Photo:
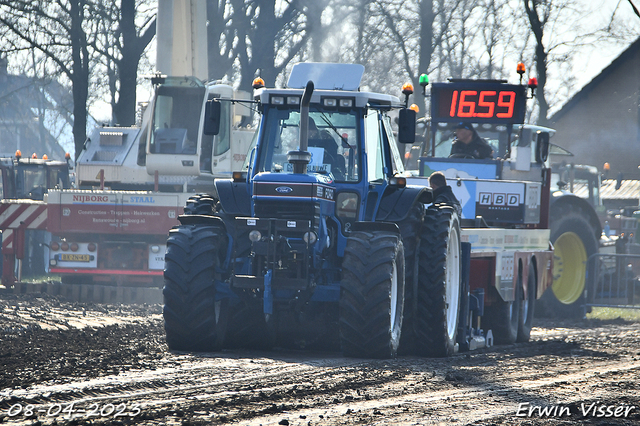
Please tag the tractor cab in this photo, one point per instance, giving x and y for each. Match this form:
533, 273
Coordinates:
350, 155
30, 178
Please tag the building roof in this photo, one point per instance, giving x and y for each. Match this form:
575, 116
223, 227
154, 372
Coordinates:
629, 190
604, 74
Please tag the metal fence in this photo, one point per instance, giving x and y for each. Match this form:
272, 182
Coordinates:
613, 280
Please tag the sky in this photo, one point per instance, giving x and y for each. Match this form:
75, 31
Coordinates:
588, 62
593, 60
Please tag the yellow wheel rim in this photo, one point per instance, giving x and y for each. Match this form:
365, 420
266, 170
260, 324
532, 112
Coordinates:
569, 268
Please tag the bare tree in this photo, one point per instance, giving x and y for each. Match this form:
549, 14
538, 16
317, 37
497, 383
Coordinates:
221, 38
269, 34
538, 18
121, 43
61, 36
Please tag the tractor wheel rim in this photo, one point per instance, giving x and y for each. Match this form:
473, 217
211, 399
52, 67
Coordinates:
569, 268
393, 312
453, 283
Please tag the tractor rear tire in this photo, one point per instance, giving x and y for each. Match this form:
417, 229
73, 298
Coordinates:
193, 319
574, 240
410, 232
372, 294
438, 295
503, 317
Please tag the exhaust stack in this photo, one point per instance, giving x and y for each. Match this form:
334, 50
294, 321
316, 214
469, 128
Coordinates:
301, 158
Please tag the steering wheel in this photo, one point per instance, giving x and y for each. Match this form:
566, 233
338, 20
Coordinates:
37, 193
462, 155
336, 170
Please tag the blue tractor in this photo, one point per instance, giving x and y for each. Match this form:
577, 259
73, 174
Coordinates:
319, 228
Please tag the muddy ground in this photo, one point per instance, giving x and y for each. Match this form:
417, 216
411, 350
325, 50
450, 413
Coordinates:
64, 363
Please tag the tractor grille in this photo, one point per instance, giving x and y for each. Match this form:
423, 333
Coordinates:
288, 210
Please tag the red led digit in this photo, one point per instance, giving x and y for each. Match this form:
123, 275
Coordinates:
509, 104
483, 103
464, 103
454, 100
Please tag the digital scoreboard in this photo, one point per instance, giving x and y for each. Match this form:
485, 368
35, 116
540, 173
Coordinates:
478, 102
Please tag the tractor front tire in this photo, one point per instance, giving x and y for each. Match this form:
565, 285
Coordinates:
193, 319
372, 294
438, 295
200, 204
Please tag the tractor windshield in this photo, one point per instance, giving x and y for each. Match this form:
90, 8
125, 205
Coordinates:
496, 136
333, 142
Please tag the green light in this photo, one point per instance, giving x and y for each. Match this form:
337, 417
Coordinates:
424, 80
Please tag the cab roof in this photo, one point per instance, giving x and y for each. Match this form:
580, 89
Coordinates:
330, 80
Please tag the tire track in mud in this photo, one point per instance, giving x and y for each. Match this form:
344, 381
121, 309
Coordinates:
506, 395
211, 379
568, 363
321, 388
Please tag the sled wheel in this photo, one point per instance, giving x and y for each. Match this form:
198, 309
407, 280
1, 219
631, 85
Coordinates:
503, 317
528, 306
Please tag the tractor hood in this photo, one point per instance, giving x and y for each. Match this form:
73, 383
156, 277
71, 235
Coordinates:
285, 187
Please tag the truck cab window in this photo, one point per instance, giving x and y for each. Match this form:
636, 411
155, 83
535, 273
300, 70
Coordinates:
176, 119
222, 140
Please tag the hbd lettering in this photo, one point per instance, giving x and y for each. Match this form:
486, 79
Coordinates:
494, 199
595, 409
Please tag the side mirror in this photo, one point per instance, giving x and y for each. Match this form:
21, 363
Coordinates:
398, 181
407, 126
542, 147
212, 114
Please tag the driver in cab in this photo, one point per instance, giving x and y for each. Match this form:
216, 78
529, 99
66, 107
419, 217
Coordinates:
469, 144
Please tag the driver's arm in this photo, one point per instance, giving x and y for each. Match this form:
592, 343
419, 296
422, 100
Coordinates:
486, 151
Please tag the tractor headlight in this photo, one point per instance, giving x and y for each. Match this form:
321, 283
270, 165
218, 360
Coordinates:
310, 237
347, 205
255, 235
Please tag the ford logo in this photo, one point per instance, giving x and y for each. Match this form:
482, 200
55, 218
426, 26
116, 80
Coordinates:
284, 189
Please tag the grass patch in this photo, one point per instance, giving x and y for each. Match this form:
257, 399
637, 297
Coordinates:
614, 313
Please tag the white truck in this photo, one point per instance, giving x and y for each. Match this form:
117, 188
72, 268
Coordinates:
132, 182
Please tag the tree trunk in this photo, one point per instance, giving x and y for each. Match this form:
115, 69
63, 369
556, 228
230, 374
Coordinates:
537, 26
79, 75
133, 46
427, 18
220, 59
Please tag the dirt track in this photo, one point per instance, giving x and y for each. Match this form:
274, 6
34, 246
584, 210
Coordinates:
110, 365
